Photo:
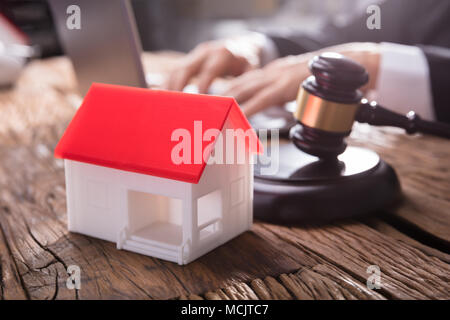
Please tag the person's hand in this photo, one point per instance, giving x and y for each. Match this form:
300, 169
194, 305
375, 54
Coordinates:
279, 81
275, 84
209, 60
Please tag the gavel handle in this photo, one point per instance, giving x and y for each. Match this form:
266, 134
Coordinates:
374, 114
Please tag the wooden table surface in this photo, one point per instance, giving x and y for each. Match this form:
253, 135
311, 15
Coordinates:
410, 244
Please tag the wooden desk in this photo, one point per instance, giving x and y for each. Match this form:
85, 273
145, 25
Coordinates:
410, 246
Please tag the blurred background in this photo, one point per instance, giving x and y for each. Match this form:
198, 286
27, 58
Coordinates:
181, 24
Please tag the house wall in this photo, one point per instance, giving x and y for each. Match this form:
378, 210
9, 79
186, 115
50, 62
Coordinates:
98, 197
236, 186
235, 181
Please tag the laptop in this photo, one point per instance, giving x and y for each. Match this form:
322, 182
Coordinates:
106, 48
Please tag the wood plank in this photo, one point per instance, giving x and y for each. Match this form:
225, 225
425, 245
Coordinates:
44, 235
36, 232
320, 282
421, 162
387, 229
11, 284
407, 273
35, 198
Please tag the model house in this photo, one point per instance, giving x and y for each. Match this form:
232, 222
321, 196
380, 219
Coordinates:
139, 172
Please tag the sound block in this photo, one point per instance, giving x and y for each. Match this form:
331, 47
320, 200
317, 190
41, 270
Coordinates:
308, 190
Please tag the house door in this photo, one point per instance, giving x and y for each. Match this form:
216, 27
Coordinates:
154, 225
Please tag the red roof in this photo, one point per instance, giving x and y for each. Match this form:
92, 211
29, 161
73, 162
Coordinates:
130, 129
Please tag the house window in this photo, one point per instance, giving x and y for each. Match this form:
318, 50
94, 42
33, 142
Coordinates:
209, 214
155, 218
97, 194
237, 191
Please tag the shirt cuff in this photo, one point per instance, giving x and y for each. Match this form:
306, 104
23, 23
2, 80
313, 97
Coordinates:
256, 47
269, 51
403, 82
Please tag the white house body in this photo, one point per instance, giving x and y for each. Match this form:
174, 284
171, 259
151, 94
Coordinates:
163, 218
157, 216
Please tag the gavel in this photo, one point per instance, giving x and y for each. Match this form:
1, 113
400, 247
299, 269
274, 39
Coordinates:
318, 179
329, 101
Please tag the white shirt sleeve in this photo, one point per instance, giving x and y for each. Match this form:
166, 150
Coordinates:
245, 45
403, 82
269, 50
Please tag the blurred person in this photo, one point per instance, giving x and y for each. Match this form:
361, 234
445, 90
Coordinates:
408, 60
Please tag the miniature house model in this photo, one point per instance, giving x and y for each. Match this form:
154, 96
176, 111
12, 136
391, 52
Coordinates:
124, 186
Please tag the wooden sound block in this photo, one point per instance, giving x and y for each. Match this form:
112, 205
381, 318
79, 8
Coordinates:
309, 190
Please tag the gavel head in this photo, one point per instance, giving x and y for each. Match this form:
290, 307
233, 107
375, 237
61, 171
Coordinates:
327, 104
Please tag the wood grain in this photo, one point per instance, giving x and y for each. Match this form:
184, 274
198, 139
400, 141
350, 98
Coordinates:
392, 232
423, 166
270, 262
354, 247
